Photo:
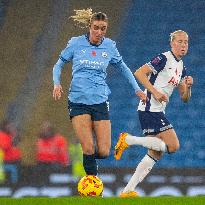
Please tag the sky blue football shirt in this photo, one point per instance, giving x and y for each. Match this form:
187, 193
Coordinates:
88, 84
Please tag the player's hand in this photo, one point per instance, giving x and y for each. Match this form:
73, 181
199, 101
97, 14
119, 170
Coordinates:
57, 92
189, 81
143, 97
160, 97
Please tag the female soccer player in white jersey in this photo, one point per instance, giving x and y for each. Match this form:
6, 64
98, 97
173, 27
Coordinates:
159, 77
88, 94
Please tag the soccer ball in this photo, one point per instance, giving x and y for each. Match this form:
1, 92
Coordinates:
90, 185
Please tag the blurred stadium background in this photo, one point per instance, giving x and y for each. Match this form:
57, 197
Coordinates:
32, 35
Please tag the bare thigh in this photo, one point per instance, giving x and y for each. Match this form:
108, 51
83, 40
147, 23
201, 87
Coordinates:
102, 130
170, 139
83, 127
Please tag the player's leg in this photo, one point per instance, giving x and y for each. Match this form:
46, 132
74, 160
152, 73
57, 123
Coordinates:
145, 166
151, 123
150, 142
102, 130
82, 126
166, 141
142, 170
155, 124
170, 138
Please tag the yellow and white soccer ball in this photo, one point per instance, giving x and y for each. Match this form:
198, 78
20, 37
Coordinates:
90, 185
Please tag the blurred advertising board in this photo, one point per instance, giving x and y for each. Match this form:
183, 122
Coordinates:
51, 183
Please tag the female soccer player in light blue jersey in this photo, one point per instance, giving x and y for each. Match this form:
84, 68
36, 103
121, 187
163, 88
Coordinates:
88, 94
160, 76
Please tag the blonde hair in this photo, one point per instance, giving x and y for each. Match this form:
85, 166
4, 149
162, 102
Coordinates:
173, 34
83, 18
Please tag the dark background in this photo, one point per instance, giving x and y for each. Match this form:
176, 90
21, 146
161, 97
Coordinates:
32, 34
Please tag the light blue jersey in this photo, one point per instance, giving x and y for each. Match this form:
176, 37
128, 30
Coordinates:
88, 85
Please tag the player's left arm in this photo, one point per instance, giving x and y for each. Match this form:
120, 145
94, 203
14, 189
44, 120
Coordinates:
118, 62
185, 88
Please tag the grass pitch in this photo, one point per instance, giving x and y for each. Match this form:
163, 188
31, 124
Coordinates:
103, 201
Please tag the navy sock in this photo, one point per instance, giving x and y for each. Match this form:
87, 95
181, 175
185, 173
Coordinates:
97, 156
89, 164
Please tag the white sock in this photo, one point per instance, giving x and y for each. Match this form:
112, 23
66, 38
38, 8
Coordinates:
153, 143
143, 168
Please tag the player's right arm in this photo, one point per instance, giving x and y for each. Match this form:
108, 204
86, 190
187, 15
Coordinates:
142, 75
57, 90
65, 56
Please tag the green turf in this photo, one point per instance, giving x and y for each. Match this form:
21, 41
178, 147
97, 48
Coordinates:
105, 201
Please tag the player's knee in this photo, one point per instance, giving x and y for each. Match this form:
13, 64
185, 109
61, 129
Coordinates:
173, 148
155, 154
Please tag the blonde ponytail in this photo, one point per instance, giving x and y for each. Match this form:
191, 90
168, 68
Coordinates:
82, 18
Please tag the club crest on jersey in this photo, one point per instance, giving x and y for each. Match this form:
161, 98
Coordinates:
104, 54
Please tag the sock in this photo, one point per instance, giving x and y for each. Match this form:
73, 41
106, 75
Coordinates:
97, 156
143, 168
89, 164
153, 143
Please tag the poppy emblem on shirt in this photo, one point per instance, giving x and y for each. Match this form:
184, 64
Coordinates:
104, 54
94, 53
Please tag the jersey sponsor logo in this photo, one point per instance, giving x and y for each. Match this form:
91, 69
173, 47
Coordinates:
148, 131
156, 60
91, 64
175, 79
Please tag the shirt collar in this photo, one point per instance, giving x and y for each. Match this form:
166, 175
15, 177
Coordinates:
87, 35
175, 57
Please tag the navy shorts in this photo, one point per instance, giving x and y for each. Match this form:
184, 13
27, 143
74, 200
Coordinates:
96, 111
153, 122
